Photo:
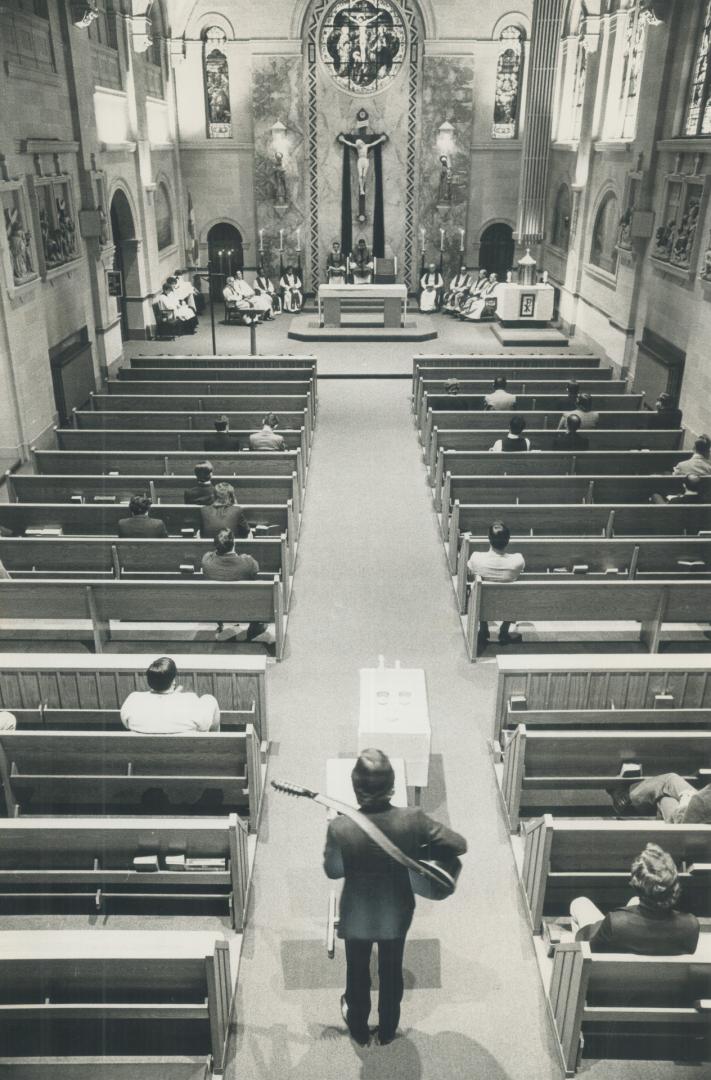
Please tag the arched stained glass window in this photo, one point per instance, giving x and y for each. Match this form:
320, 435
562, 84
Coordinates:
698, 113
509, 71
164, 217
603, 249
560, 231
217, 85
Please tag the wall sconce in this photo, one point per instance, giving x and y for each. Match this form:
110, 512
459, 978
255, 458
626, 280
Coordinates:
445, 138
279, 140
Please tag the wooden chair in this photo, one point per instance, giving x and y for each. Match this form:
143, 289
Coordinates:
165, 324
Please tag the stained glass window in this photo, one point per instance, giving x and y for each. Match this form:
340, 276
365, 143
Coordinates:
363, 43
581, 60
632, 60
698, 115
508, 84
217, 86
164, 217
603, 249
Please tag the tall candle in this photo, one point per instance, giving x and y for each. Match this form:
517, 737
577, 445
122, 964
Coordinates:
261, 241
441, 239
422, 240
461, 239
229, 261
298, 239
281, 239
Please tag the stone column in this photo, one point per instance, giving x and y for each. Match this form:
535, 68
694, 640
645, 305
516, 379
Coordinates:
545, 35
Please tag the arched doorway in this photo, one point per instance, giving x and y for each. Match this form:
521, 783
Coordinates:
496, 249
224, 250
125, 254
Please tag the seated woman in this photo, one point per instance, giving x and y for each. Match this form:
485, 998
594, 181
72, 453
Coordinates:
175, 311
431, 285
458, 288
292, 296
473, 292
265, 300
223, 513
335, 265
482, 306
650, 924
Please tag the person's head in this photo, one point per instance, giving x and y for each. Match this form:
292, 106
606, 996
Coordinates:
572, 423
692, 484
260, 271
702, 446
224, 541
177, 274
161, 674
203, 472
336, 246
229, 280
224, 495
585, 402
139, 505
289, 269
500, 382
664, 401
493, 278
238, 275
166, 288
499, 535
654, 877
483, 274
451, 385
222, 423
361, 242
517, 424
431, 268
462, 270
572, 389
271, 420
172, 281
373, 778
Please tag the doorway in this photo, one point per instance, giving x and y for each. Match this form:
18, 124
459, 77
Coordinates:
224, 250
124, 237
496, 250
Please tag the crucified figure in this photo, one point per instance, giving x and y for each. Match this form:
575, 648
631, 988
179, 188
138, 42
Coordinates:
361, 148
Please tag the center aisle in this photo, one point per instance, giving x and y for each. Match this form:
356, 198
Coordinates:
372, 579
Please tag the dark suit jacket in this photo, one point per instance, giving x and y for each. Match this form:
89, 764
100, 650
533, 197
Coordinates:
139, 527
643, 930
665, 418
221, 440
200, 494
565, 441
213, 519
377, 901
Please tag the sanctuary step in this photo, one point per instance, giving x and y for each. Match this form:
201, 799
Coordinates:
530, 336
362, 327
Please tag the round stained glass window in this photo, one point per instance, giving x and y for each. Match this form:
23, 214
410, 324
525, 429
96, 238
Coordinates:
363, 44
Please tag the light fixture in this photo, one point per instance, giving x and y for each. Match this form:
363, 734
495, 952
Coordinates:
445, 138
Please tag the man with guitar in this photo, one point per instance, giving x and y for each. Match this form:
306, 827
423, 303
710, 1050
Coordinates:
377, 901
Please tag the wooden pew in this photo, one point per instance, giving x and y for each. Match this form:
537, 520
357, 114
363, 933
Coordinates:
451, 364
563, 858
604, 719
78, 558
659, 1004
122, 772
163, 440
192, 421
649, 603
288, 396
73, 998
184, 400
74, 865
203, 365
80, 681
97, 607
560, 491
571, 520
552, 382
545, 401
262, 362
641, 559
566, 772
45, 718
259, 381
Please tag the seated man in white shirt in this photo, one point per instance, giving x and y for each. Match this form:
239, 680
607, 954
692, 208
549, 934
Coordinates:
167, 709
500, 400
514, 440
699, 464
496, 564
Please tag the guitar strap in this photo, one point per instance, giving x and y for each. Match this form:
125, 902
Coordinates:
378, 837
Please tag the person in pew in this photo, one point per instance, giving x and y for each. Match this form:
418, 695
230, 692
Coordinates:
4, 576
689, 494
570, 438
165, 708
650, 925
224, 564
666, 414
267, 438
572, 392
221, 439
452, 386
500, 400
138, 525
514, 441
698, 464
669, 796
203, 492
377, 902
584, 409
8, 722
496, 564
223, 513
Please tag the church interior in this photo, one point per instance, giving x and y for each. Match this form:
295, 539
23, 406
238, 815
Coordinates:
354, 407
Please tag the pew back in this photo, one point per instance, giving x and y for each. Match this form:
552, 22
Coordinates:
164, 440
263, 362
193, 421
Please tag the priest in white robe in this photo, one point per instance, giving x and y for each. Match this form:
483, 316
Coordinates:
431, 285
291, 290
473, 293
265, 295
481, 306
458, 287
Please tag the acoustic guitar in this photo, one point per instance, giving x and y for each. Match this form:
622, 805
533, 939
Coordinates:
433, 879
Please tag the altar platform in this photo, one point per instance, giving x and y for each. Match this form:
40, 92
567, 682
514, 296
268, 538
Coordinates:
362, 326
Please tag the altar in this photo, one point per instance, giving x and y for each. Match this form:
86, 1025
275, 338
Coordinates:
335, 300
522, 305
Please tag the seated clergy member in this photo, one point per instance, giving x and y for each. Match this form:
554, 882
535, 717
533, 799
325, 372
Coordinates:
649, 927
203, 492
496, 564
514, 439
292, 296
360, 264
458, 288
482, 305
264, 291
236, 300
176, 311
335, 265
584, 409
224, 564
669, 796
139, 524
377, 902
267, 438
184, 289
431, 285
666, 415
221, 438
223, 513
473, 292
698, 464
689, 494
165, 708
500, 399
569, 438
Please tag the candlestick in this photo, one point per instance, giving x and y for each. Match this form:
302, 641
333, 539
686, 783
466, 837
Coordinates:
461, 239
281, 239
229, 260
441, 239
298, 239
422, 240
261, 241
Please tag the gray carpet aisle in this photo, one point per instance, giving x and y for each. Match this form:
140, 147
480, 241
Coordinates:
372, 579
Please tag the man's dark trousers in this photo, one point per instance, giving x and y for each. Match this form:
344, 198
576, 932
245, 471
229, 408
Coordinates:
390, 953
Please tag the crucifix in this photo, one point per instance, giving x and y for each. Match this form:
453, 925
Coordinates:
362, 143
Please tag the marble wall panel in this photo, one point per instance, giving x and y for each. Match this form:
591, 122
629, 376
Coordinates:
277, 95
447, 95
